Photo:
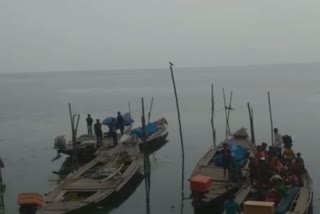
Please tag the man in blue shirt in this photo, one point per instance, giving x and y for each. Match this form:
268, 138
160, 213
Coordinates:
231, 206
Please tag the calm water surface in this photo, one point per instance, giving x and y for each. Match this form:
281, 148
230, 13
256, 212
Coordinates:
33, 110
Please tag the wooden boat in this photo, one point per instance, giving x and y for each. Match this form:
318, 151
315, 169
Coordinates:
221, 186
157, 139
85, 142
302, 203
154, 142
298, 201
96, 181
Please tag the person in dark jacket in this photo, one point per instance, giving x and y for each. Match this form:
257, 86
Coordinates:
89, 125
113, 131
98, 131
226, 159
120, 122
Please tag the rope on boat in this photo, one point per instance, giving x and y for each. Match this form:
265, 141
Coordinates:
146, 161
181, 138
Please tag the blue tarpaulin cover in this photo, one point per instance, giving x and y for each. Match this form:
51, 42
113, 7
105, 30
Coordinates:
238, 153
108, 121
151, 128
127, 119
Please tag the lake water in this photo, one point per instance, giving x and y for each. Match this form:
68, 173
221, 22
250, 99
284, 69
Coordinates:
34, 110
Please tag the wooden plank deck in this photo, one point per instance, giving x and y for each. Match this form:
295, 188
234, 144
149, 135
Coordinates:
220, 184
87, 184
80, 181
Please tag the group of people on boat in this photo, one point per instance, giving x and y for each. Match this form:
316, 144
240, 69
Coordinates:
272, 170
116, 123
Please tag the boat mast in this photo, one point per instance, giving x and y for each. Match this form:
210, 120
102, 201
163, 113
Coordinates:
149, 113
74, 128
212, 117
227, 110
271, 122
250, 110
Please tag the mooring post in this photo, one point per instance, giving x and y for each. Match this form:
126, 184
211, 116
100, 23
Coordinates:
181, 137
146, 161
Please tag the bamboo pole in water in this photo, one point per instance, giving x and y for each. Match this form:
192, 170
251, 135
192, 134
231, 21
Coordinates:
212, 117
271, 122
146, 161
181, 138
149, 117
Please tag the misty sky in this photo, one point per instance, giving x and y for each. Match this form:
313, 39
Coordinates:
49, 35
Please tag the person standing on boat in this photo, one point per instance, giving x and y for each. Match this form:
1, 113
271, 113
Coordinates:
277, 142
113, 131
226, 159
89, 125
120, 122
231, 206
98, 131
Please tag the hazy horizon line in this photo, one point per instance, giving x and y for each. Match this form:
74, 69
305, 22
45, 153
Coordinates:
158, 68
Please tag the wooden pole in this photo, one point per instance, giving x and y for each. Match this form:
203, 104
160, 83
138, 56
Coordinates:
250, 110
146, 161
212, 117
74, 150
225, 110
253, 134
271, 122
181, 137
77, 125
228, 113
149, 113
149, 117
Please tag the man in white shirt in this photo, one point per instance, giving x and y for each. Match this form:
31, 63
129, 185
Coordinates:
277, 141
